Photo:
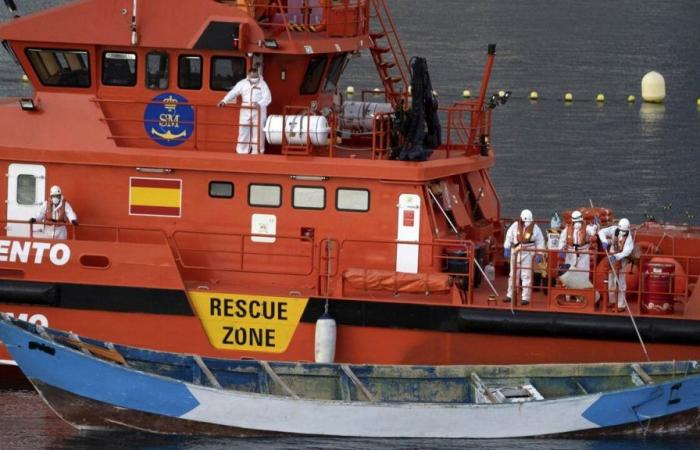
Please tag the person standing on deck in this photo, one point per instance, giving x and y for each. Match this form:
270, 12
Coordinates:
522, 238
576, 239
618, 244
256, 97
58, 210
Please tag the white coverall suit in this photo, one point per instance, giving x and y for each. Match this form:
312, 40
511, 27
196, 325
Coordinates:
255, 97
610, 235
521, 257
56, 231
578, 256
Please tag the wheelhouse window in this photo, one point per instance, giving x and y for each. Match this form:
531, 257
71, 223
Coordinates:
335, 71
189, 72
119, 69
314, 73
26, 189
306, 197
265, 195
226, 72
220, 189
64, 68
157, 70
355, 200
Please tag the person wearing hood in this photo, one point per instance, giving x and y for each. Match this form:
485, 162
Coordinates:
522, 239
618, 244
56, 211
255, 98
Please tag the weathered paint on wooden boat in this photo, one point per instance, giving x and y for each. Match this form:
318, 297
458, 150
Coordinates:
92, 384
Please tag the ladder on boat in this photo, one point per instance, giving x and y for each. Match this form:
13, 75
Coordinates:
388, 53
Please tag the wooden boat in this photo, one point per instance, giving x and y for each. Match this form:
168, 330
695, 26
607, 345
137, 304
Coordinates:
238, 255
96, 385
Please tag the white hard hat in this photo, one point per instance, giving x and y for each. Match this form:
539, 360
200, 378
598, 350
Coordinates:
576, 216
624, 225
526, 215
55, 190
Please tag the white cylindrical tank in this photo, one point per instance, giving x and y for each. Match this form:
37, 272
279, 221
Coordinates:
325, 339
297, 129
653, 87
360, 115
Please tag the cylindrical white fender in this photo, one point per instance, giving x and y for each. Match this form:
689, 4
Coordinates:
325, 339
360, 115
297, 129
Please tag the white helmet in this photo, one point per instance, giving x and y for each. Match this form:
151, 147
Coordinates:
55, 190
526, 215
576, 216
624, 225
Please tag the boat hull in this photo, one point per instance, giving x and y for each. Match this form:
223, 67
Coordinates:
94, 393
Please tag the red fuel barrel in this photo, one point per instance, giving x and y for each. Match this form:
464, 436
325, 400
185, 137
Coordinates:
658, 288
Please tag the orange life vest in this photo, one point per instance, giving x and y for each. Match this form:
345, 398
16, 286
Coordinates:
583, 237
60, 209
524, 234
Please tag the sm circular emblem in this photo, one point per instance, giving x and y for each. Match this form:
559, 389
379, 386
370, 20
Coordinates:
169, 119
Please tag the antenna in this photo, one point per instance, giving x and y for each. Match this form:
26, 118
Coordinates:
134, 34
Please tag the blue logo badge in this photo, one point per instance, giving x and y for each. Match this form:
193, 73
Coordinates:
169, 120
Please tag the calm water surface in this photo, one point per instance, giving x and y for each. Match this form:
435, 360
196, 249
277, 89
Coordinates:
636, 158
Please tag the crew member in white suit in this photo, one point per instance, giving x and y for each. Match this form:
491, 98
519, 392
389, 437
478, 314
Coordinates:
522, 238
58, 210
256, 97
576, 238
619, 244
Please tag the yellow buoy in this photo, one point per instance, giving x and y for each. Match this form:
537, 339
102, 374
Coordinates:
350, 91
631, 99
600, 98
435, 94
25, 78
698, 103
653, 87
501, 94
534, 96
466, 93
377, 91
568, 97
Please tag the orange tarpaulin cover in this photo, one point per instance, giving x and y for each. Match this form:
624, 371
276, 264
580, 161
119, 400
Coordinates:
385, 280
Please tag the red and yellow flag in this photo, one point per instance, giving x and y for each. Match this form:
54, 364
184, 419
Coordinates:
155, 197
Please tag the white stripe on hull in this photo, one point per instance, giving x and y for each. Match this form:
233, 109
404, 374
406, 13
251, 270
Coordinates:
416, 420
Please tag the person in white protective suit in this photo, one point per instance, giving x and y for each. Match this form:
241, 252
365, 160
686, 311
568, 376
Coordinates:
618, 244
255, 98
522, 239
576, 240
58, 210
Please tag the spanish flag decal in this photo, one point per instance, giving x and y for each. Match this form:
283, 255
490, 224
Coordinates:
155, 197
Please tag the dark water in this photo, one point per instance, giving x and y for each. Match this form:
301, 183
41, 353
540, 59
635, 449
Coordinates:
551, 156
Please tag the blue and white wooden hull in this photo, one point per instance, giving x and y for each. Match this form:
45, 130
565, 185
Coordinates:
89, 392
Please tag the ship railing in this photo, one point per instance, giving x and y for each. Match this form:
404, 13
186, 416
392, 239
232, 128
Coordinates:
466, 129
245, 252
208, 133
445, 268
303, 19
47, 230
650, 289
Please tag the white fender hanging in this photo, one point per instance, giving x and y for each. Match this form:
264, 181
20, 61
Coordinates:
325, 339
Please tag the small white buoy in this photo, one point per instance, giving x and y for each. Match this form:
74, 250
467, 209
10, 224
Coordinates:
568, 97
350, 91
653, 87
466, 93
25, 78
534, 96
501, 94
631, 99
600, 98
325, 339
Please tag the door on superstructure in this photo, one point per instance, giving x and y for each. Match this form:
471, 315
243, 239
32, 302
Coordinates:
26, 187
408, 231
